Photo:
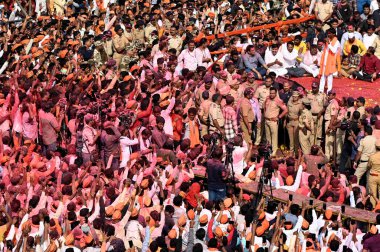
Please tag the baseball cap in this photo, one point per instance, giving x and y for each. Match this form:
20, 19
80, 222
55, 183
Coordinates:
314, 85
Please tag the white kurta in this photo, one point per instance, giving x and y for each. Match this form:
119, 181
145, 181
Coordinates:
125, 145
289, 57
270, 58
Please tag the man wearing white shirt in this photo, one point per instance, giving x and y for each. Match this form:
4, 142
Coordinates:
165, 113
311, 61
203, 54
238, 154
188, 57
126, 142
290, 55
162, 53
369, 37
275, 60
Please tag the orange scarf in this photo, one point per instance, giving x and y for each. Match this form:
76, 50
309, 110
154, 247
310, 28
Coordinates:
332, 60
194, 134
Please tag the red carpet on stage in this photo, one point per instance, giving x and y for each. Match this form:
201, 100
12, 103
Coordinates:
347, 87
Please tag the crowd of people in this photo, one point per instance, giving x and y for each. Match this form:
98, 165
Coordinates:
110, 111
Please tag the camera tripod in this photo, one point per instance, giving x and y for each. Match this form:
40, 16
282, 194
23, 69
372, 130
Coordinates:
265, 178
228, 163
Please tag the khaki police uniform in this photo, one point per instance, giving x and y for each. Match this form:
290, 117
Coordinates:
215, 114
129, 36
374, 175
246, 110
331, 111
119, 45
148, 32
109, 47
138, 35
361, 110
367, 147
128, 58
294, 111
204, 110
261, 94
200, 90
317, 104
306, 118
176, 43
271, 115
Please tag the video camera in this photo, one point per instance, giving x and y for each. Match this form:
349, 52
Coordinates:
127, 119
265, 151
345, 125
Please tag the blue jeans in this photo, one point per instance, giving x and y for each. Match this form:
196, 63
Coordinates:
50, 147
261, 70
216, 194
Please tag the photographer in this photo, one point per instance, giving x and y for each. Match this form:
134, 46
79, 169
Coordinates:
110, 144
351, 128
216, 174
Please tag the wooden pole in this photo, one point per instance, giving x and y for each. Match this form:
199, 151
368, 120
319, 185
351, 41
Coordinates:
22, 8
30, 7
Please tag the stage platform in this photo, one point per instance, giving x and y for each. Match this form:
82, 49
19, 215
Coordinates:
347, 87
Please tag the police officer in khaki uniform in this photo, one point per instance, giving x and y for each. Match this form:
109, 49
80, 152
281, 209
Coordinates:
318, 101
294, 110
149, 28
128, 33
306, 126
216, 116
247, 116
100, 55
204, 111
360, 102
138, 34
374, 173
119, 43
108, 44
261, 94
206, 86
366, 148
330, 122
175, 41
272, 106
128, 58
